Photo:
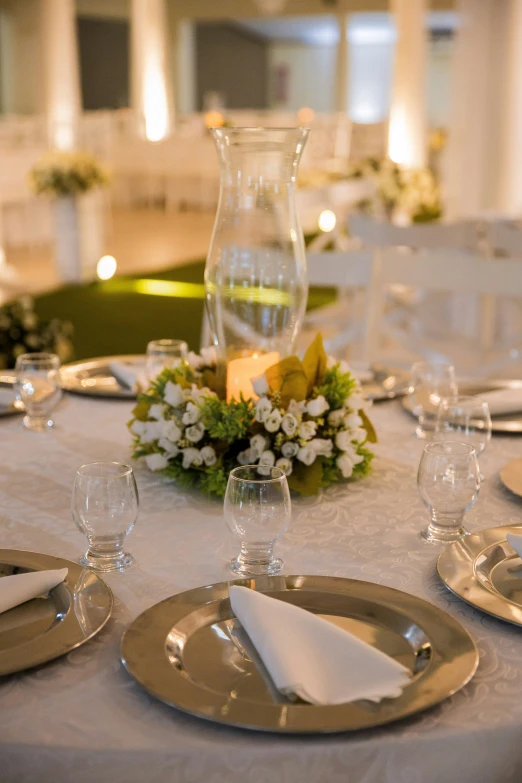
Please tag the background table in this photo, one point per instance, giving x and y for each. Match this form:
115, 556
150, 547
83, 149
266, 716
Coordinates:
82, 718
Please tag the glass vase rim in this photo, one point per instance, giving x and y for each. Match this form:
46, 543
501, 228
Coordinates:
434, 363
83, 469
261, 479
442, 448
168, 342
257, 128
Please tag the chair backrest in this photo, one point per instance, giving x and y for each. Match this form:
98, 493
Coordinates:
504, 238
351, 269
460, 236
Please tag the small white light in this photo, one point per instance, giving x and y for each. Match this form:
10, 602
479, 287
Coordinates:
327, 220
106, 267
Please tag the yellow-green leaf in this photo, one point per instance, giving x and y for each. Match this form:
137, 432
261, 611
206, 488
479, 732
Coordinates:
306, 479
368, 426
314, 363
289, 379
141, 411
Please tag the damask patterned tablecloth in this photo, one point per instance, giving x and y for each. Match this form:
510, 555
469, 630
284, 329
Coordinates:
82, 718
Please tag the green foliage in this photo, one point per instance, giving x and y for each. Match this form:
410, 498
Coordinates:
336, 387
227, 421
307, 480
21, 331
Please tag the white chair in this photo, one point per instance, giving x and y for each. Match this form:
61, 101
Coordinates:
434, 236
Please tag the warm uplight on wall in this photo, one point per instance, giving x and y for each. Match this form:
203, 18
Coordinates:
399, 141
327, 220
155, 105
106, 267
306, 115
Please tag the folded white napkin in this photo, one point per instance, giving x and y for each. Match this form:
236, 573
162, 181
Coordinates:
19, 588
515, 540
503, 401
7, 397
312, 658
127, 374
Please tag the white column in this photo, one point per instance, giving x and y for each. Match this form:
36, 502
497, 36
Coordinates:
185, 66
151, 76
342, 66
62, 76
407, 129
510, 144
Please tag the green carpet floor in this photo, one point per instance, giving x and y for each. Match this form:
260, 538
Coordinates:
122, 315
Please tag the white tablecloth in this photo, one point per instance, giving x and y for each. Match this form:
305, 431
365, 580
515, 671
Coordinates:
82, 718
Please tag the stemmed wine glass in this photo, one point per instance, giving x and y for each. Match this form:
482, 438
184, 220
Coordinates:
430, 382
464, 419
38, 385
105, 508
164, 353
258, 513
448, 481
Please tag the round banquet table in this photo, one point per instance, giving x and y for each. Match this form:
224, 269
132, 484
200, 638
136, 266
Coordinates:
82, 718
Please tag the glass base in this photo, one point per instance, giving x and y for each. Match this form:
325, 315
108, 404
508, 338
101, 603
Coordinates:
437, 535
267, 568
37, 423
105, 563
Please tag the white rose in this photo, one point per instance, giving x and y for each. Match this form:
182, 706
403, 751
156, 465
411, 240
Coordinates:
273, 421
151, 431
335, 417
289, 449
289, 424
322, 446
170, 448
356, 402
296, 408
285, 465
331, 361
195, 360
267, 458
209, 356
173, 394
191, 456
263, 408
195, 433
352, 420
306, 455
138, 427
343, 440
192, 414
156, 461
170, 430
264, 470
258, 443
197, 394
208, 455
156, 411
359, 435
317, 407
345, 465
307, 429
247, 457
260, 385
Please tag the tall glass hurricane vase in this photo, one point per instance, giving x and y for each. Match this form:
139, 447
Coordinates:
255, 277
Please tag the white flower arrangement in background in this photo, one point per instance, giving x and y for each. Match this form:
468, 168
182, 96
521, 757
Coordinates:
310, 420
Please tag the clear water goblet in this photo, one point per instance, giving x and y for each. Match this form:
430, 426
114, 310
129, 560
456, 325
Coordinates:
464, 419
105, 508
448, 481
430, 382
38, 388
257, 512
164, 353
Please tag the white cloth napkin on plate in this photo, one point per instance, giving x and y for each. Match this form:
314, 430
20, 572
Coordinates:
19, 588
503, 401
312, 658
128, 374
515, 541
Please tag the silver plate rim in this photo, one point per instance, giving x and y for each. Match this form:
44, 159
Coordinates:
149, 676
68, 634
461, 556
379, 393
71, 382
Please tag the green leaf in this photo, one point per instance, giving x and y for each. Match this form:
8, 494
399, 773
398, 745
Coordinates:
306, 479
289, 379
141, 411
368, 426
314, 363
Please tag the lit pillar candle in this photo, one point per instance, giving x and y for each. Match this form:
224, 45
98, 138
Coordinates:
240, 373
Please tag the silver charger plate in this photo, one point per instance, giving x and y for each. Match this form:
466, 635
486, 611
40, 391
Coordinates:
511, 476
507, 423
9, 409
94, 377
191, 652
386, 384
51, 625
486, 572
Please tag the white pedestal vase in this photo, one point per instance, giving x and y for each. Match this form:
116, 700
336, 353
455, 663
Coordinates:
79, 236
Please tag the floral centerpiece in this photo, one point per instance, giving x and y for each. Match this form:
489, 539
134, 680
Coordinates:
21, 331
309, 419
411, 193
67, 173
